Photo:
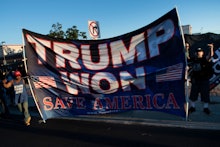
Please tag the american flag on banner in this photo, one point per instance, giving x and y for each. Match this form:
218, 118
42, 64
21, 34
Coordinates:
171, 73
44, 82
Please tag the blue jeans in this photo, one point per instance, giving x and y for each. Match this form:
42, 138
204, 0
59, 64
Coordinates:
23, 108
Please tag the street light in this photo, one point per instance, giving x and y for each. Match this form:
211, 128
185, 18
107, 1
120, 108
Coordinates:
4, 61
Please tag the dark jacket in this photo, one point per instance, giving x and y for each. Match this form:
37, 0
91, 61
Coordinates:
201, 69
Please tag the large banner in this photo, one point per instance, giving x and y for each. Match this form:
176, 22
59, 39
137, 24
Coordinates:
140, 70
201, 41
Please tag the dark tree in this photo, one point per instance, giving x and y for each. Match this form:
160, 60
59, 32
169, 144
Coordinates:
57, 31
71, 33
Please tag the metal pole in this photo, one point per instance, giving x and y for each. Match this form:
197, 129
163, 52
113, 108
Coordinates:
3, 51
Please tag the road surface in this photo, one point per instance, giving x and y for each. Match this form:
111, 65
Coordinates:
65, 133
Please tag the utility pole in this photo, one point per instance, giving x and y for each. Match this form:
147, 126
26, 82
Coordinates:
3, 51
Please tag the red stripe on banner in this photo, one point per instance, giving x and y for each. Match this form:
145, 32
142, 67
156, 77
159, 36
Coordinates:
45, 82
172, 73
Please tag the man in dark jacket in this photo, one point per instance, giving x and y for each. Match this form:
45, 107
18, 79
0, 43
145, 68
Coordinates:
4, 98
201, 73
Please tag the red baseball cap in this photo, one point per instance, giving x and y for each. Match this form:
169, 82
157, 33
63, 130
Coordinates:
17, 73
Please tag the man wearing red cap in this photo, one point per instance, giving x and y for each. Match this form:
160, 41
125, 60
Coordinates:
21, 96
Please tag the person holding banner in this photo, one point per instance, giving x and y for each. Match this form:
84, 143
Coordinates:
187, 50
21, 96
201, 72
